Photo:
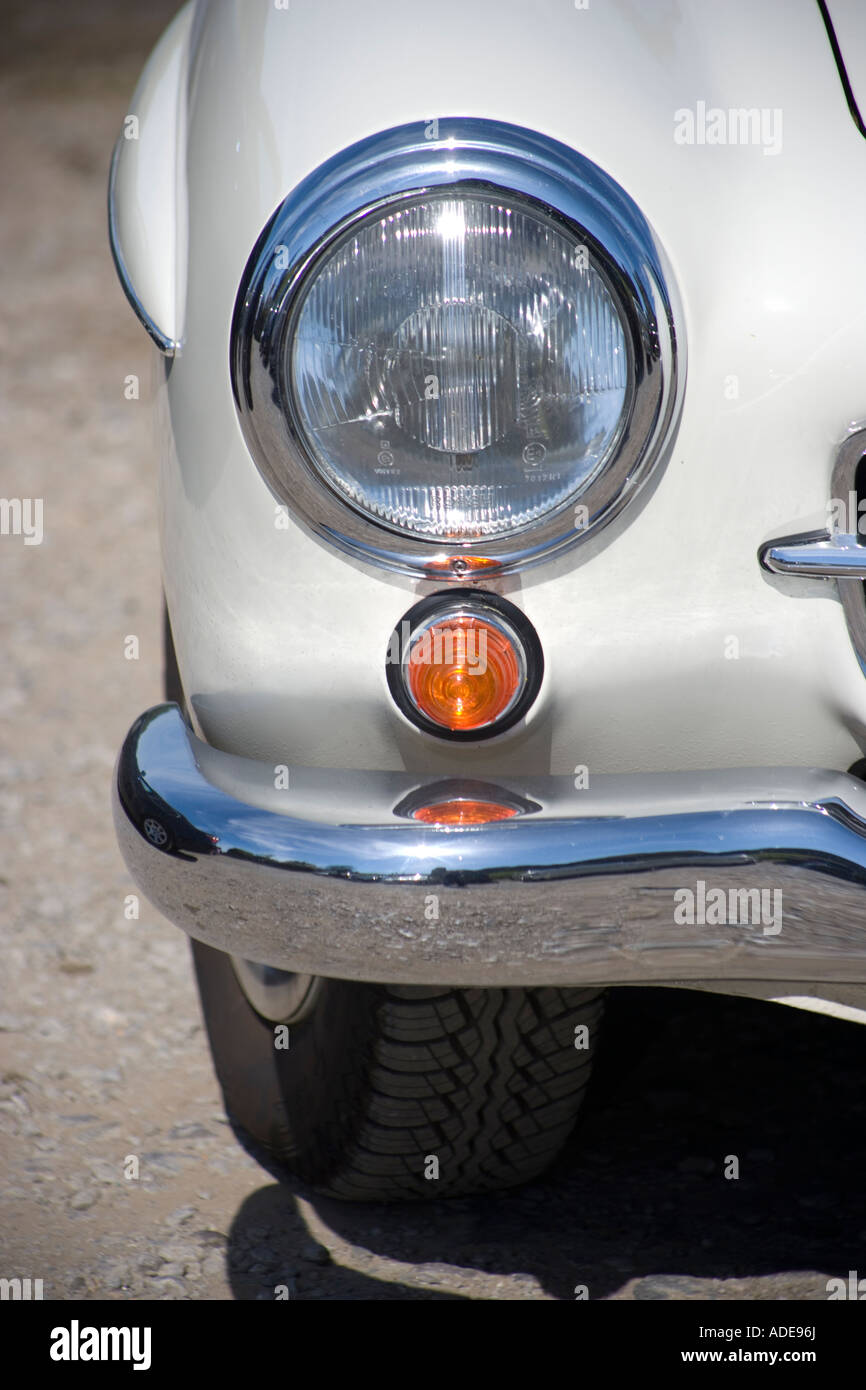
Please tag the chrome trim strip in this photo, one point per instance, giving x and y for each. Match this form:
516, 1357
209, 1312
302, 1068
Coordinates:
821, 557
167, 346
366, 179
580, 890
832, 554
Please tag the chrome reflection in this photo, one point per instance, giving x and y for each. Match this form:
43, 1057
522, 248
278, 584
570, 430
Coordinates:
580, 891
832, 554
280, 996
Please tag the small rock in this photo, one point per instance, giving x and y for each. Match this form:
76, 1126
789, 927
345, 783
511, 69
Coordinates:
50, 1028
160, 1163
189, 1131
168, 1288
179, 1216
105, 1171
180, 1251
316, 1254
116, 1274
83, 1201
214, 1239
213, 1266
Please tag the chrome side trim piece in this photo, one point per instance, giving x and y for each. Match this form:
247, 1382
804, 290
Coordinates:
579, 890
368, 179
832, 554
168, 346
821, 556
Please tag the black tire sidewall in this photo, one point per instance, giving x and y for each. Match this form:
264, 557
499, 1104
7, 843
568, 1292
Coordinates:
293, 1100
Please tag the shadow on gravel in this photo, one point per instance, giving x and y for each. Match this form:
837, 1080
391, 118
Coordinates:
685, 1080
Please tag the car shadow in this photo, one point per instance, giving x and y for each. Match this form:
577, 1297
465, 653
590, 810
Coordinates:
639, 1203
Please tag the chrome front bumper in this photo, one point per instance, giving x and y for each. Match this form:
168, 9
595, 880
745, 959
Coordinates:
332, 876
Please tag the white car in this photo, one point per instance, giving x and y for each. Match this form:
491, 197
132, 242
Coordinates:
511, 359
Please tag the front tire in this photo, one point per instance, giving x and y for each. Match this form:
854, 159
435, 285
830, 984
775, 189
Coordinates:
378, 1081
387, 1092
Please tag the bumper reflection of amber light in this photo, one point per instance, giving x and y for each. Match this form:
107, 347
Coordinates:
463, 813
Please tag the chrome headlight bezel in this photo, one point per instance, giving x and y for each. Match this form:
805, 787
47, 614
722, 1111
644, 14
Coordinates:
385, 170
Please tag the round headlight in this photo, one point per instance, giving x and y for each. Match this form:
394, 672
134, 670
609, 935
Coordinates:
458, 352
457, 365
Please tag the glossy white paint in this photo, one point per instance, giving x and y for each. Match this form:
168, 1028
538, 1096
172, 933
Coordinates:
281, 640
149, 196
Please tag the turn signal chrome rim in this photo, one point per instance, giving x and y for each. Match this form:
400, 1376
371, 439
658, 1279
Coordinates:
464, 665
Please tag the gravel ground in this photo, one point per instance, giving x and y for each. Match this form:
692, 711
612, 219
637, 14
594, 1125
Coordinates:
103, 1053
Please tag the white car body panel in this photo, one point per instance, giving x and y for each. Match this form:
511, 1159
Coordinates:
148, 194
666, 647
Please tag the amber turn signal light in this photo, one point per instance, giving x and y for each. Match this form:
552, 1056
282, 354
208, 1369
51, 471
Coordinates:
464, 672
468, 664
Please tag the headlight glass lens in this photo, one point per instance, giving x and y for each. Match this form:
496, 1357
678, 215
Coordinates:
456, 365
